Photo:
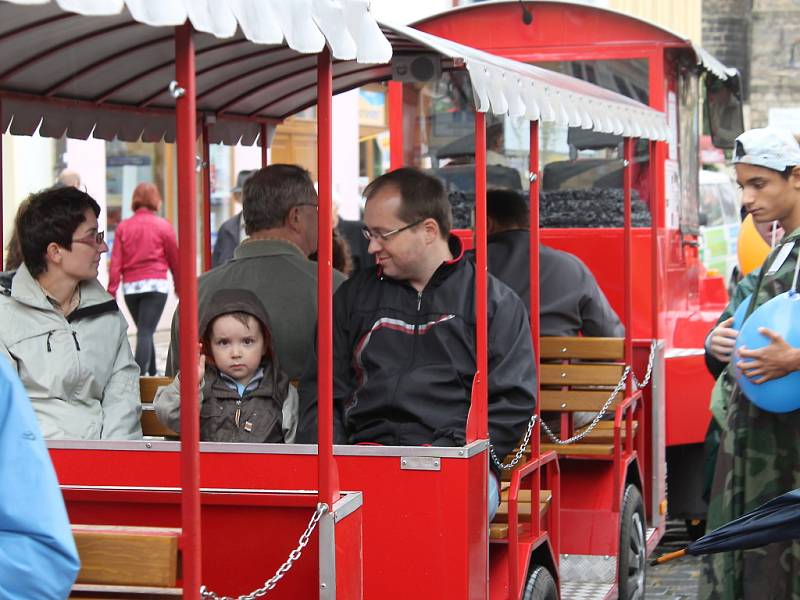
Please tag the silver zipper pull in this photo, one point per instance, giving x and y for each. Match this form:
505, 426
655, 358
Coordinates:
419, 301
238, 412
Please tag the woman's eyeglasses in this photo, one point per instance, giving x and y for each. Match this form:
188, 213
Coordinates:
92, 239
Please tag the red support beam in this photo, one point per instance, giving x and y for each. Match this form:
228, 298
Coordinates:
478, 421
655, 196
186, 124
533, 196
396, 142
328, 477
206, 199
264, 145
628, 248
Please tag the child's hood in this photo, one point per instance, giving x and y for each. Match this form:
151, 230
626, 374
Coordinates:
228, 301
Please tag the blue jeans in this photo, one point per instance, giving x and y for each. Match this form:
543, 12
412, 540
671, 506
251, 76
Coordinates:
494, 495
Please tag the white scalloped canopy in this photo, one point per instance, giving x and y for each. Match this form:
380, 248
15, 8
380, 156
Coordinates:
103, 67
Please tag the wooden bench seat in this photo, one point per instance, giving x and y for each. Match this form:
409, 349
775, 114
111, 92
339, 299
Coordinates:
126, 562
578, 374
498, 528
151, 426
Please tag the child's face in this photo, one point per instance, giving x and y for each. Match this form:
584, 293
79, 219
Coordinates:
237, 348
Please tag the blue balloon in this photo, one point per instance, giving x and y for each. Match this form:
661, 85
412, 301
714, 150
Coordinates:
741, 310
782, 315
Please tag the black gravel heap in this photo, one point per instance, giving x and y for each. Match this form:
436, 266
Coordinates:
590, 207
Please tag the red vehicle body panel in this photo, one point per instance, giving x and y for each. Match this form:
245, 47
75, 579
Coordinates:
566, 31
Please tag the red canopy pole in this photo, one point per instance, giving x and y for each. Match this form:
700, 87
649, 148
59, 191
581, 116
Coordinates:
328, 479
655, 195
206, 199
628, 248
186, 125
264, 145
396, 143
478, 423
533, 167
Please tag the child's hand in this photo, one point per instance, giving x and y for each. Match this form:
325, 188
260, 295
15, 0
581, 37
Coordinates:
201, 368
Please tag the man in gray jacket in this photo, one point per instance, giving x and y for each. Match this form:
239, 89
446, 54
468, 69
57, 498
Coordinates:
280, 210
570, 301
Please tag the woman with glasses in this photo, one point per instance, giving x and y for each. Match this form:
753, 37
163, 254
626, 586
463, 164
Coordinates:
144, 249
61, 331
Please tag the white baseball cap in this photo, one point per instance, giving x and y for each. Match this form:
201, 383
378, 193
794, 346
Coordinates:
769, 147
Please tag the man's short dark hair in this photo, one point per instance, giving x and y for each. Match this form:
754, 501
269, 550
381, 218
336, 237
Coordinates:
269, 194
423, 196
507, 208
53, 215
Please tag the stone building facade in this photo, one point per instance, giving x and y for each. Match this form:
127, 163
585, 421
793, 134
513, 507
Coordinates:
762, 39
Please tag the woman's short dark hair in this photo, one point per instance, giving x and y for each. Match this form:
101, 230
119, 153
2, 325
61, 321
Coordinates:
269, 194
423, 196
52, 215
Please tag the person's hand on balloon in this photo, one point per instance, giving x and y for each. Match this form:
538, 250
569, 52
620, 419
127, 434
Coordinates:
723, 339
770, 362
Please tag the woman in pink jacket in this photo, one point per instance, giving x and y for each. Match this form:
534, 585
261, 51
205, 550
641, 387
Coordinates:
144, 248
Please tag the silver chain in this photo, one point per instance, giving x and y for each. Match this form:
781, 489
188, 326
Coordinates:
649, 373
270, 584
519, 453
579, 436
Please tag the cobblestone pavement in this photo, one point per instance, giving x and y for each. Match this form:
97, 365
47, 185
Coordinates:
677, 579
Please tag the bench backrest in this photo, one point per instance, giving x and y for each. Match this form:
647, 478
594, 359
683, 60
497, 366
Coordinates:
578, 372
151, 426
127, 556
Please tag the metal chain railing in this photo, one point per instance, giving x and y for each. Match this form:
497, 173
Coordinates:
270, 584
649, 373
583, 433
520, 453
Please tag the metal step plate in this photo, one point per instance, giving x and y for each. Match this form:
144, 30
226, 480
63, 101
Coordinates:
587, 591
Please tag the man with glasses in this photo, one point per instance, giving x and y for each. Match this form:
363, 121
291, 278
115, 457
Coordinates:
404, 333
280, 213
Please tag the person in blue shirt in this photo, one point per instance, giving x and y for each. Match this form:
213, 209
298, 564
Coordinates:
38, 558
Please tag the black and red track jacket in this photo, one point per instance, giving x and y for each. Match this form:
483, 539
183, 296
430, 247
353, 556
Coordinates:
404, 361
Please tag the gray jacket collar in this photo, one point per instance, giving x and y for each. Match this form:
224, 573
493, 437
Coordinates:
26, 290
271, 247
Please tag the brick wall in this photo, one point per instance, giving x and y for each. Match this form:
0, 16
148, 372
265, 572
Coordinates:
726, 34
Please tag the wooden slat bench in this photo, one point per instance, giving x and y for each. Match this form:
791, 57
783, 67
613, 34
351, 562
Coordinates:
498, 529
126, 562
151, 426
577, 375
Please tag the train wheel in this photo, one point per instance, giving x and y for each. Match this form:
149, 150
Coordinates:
540, 585
632, 546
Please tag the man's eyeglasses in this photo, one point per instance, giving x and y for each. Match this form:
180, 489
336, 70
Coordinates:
371, 235
92, 239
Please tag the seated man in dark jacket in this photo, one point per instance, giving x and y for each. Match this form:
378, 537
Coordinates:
404, 333
570, 301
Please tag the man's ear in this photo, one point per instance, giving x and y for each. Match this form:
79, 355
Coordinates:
795, 177
431, 229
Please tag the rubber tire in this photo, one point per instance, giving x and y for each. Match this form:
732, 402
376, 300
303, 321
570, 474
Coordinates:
540, 585
632, 545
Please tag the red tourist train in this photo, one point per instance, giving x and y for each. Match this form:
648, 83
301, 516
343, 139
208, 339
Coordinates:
579, 514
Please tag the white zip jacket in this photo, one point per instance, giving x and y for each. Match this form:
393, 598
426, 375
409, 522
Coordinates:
78, 371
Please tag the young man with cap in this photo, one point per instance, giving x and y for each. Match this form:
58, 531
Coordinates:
759, 456
231, 232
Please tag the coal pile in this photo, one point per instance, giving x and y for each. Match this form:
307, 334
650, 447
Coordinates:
592, 207
462, 204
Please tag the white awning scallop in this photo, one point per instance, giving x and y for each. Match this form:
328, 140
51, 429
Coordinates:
108, 75
505, 86
306, 25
